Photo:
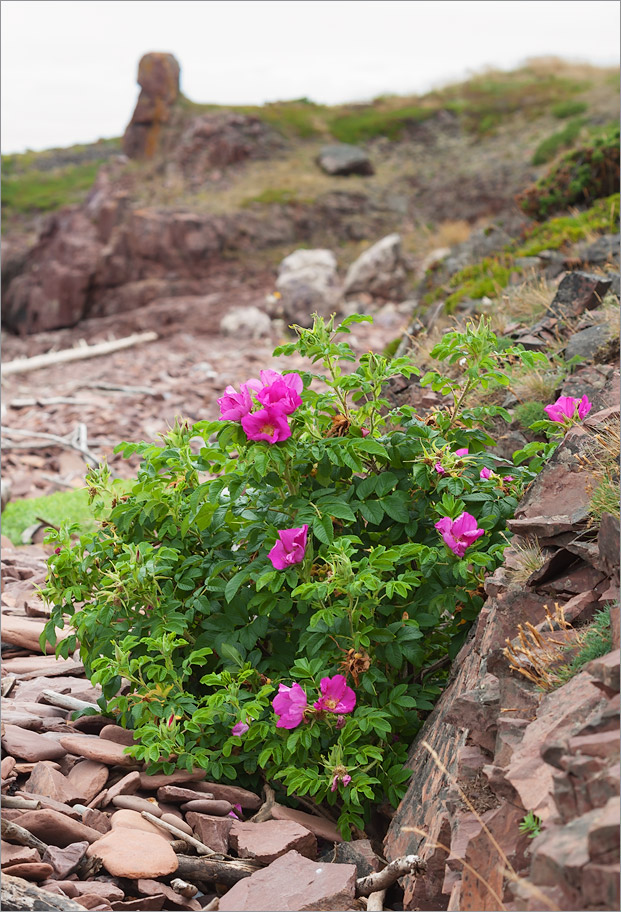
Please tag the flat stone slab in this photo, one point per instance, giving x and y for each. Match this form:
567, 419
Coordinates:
321, 827
30, 746
135, 853
269, 840
293, 883
57, 829
98, 749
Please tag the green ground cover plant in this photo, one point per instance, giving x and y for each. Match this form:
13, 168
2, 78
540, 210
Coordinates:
569, 108
595, 641
43, 191
563, 139
284, 589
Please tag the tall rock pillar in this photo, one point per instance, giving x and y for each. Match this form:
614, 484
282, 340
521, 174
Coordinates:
158, 78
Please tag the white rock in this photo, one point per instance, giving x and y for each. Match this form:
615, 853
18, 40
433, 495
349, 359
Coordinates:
308, 283
379, 270
246, 322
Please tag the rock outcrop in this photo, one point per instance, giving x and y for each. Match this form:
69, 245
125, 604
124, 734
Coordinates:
158, 78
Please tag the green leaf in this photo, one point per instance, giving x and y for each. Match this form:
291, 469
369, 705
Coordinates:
234, 583
233, 655
372, 511
323, 530
396, 506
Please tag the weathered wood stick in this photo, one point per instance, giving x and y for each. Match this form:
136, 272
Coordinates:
19, 895
116, 388
65, 701
200, 847
265, 811
24, 365
209, 869
14, 833
375, 901
381, 880
213, 906
24, 804
52, 400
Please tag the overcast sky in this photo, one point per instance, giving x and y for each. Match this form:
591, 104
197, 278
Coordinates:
69, 66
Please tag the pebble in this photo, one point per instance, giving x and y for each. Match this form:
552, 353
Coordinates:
98, 749
152, 783
205, 806
233, 793
135, 803
125, 786
30, 746
118, 734
134, 853
30, 871
179, 822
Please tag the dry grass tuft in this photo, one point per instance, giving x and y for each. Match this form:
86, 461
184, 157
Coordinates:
534, 655
528, 557
529, 301
601, 457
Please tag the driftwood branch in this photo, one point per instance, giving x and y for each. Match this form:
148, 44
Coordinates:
16, 834
75, 441
24, 365
23, 804
20, 896
381, 880
210, 869
117, 388
265, 811
52, 400
375, 901
65, 701
184, 888
200, 847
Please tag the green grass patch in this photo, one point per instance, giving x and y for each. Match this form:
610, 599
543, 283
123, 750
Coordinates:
564, 139
39, 191
569, 108
484, 279
274, 196
602, 217
64, 506
526, 413
359, 126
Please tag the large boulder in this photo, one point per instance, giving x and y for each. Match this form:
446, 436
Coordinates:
343, 159
158, 78
379, 271
307, 283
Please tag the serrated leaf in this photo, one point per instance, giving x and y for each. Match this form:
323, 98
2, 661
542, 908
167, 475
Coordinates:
372, 511
323, 530
396, 506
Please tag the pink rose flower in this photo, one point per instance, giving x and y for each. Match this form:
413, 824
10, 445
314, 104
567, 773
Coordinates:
233, 406
462, 452
280, 396
485, 473
564, 409
439, 468
240, 729
336, 696
268, 424
508, 478
459, 533
293, 380
289, 704
290, 549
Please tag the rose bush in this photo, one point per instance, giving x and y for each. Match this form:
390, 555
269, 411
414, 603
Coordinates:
281, 601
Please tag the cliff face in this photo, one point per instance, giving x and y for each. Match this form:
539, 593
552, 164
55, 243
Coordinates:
500, 743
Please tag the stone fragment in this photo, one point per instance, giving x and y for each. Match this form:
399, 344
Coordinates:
65, 861
55, 828
6, 767
321, 827
600, 885
97, 820
603, 836
101, 888
379, 271
358, 852
293, 883
307, 283
477, 710
577, 292
125, 786
118, 734
53, 805
148, 903
14, 855
233, 793
608, 543
269, 840
344, 159
207, 806
16, 894
136, 803
212, 831
98, 749
605, 670
590, 343
158, 77
45, 780
87, 779
24, 632
36, 871
30, 746
135, 853
246, 323
157, 780
95, 902
127, 819
177, 795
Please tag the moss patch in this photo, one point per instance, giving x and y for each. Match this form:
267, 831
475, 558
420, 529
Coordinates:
550, 147
38, 191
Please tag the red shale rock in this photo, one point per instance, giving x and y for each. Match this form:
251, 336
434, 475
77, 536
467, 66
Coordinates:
30, 746
212, 831
135, 853
293, 883
269, 840
321, 827
98, 749
55, 828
